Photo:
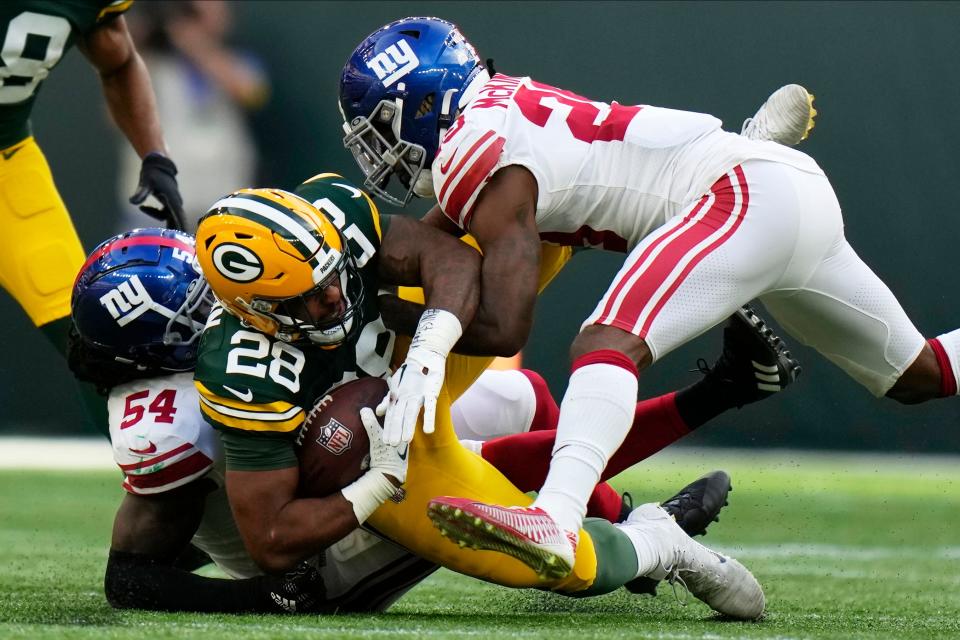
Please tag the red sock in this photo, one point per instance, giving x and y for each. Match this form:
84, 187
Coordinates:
547, 412
524, 459
604, 503
656, 424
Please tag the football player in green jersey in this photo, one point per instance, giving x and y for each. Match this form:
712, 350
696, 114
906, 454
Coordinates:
297, 288
295, 274
40, 252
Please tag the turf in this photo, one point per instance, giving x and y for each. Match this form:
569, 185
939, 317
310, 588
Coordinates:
846, 547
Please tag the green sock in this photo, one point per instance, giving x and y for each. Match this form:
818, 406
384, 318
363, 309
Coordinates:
616, 558
95, 405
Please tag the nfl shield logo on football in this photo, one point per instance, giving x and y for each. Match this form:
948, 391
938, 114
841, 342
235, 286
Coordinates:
334, 437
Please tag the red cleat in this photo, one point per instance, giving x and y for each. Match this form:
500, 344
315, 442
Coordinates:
528, 534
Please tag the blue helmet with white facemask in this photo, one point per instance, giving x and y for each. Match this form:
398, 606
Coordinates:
399, 91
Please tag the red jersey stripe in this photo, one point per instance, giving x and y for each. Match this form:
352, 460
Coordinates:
948, 383
189, 466
738, 213
687, 224
452, 176
148, 462
132, 242
473, 180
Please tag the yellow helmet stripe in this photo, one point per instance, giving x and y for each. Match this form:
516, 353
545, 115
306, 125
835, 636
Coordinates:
321, 176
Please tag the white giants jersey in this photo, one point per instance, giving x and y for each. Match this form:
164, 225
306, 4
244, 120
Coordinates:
607, 174
160, 440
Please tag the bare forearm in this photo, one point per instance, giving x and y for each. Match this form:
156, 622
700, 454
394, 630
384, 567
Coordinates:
504, 316
130, 99
413, 254
399, 315
303, 528
450, 282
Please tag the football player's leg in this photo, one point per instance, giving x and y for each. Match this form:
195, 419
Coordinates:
524, 459
499, 403
850, 316
439, 465
509, 418
41, 252
650, 544
680, 281
363, 573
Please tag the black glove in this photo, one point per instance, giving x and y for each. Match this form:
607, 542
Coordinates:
300, 590
158, 177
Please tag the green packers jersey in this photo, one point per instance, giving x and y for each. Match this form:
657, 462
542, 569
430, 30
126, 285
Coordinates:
257, 389
36, 34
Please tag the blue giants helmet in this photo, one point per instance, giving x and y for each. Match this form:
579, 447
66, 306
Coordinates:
399, 91
141, 299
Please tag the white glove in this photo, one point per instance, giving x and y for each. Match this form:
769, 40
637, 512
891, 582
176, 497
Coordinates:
388, 465
417, 382
388, 459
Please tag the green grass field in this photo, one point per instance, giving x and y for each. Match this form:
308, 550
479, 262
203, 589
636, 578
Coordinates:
846, 547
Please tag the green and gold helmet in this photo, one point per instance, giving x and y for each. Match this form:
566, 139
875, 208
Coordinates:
266, 253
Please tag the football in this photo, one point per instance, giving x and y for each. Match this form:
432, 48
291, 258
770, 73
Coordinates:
332, 444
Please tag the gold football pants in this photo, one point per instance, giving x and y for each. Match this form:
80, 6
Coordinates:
40, 252
440, 466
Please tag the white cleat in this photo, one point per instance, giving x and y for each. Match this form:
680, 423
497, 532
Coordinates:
786, 117
719, 581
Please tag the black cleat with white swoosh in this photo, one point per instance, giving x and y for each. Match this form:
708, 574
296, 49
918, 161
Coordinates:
755, 362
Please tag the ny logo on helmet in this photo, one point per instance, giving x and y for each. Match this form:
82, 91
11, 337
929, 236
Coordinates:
128, 301
237, 263
394, 62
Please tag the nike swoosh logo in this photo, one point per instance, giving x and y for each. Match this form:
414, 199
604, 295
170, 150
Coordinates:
11, 152
403, 456
145, 452
246, 396
445, 166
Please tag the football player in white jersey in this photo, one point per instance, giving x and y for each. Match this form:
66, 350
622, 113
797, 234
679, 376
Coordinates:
708, 220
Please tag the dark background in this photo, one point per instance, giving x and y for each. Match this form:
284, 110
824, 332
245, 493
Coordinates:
886, 80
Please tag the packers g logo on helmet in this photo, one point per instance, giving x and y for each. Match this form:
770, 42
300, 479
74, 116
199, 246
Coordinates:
265, 252
237, 263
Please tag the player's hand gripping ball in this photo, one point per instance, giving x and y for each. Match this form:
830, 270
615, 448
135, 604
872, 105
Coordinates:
332, 445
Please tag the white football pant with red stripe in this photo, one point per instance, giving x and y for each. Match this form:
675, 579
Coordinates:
770, 231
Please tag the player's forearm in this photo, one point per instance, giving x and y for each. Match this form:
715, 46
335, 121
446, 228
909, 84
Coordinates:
508, 294
130, 99
399, 315
413, 254
300, 529
451, 281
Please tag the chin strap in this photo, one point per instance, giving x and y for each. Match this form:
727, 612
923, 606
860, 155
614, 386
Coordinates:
446, 114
